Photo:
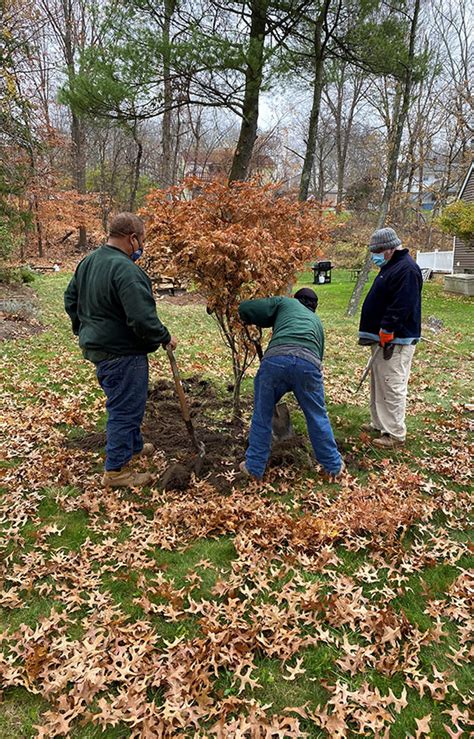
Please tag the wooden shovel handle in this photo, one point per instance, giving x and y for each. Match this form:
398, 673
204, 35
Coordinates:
179, 388
255, 342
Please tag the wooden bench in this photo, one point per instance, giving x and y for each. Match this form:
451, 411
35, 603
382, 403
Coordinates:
165, 285
355, 273
42, 268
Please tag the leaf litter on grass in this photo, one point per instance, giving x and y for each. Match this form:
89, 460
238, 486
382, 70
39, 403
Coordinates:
154, 660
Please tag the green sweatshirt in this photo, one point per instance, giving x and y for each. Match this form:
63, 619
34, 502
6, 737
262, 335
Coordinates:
111, 306
291, 321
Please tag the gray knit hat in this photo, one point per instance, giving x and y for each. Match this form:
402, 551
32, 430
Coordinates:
384, 238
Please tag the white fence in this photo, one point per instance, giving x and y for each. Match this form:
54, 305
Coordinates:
438, 261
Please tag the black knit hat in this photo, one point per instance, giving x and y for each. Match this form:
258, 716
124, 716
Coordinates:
307, 297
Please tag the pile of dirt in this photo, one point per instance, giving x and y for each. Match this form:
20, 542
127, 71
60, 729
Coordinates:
224, 438
18, 312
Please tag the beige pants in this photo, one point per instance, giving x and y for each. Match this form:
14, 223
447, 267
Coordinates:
388, 390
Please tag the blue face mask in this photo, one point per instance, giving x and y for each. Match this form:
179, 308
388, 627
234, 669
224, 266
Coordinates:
379, 259
137, 253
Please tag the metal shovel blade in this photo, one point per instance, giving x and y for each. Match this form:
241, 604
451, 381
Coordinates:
281, 423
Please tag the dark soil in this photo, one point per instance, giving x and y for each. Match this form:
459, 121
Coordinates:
18, 312
223, 437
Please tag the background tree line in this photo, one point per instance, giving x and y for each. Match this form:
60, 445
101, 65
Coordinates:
363, 103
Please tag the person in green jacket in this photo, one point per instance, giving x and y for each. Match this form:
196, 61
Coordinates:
292, 362
113, 312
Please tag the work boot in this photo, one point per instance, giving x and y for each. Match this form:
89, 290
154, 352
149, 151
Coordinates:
126, 478
245, 471
333, 477
147, 451
387, 442
369, 429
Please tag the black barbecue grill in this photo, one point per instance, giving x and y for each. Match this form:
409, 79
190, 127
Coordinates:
322, 273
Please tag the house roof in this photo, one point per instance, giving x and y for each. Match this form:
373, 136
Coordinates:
466, 180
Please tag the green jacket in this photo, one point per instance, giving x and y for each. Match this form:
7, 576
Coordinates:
291, 321
111, 306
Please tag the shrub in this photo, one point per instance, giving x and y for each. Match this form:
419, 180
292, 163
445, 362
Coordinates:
16, 275
27, 275
7, 241
234, 242
458, 219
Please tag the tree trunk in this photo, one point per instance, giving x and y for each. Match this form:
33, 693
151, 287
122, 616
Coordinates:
77, 125
345, 140
38, 226
136, 171
403, 97
318, 49
166, 161
339, 144
253, 82
79, 168
236, 409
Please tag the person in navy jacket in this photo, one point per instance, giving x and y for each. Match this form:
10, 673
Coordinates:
391, 318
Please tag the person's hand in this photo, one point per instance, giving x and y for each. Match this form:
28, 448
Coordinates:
385, 337
172, 344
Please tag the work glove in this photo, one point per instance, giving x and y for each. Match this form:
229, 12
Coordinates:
385, 337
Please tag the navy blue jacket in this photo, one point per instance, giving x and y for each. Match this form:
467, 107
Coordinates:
394, 300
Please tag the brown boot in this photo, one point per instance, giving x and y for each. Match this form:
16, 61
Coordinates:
387, 442
147, 451
126, 478
369, 429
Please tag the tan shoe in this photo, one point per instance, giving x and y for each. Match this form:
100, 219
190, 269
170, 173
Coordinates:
387, 442
126, 478
147, 451
245, 471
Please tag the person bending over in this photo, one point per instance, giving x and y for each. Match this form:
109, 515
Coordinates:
292, 362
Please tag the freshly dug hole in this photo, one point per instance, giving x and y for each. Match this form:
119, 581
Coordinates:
224, 438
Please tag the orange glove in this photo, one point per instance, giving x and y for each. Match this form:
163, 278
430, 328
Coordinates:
385, 337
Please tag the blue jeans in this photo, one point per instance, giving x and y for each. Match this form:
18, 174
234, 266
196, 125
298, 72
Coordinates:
124, 380
275, 377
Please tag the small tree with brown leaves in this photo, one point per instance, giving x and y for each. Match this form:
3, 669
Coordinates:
235, 242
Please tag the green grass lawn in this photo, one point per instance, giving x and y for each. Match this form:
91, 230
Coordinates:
287, 609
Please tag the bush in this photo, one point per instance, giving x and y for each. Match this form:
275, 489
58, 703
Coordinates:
7, 241
27, 275
16, 275
458, 219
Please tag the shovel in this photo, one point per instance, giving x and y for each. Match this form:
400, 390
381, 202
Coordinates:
387, 355
367, 369
281, 422
198, 445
